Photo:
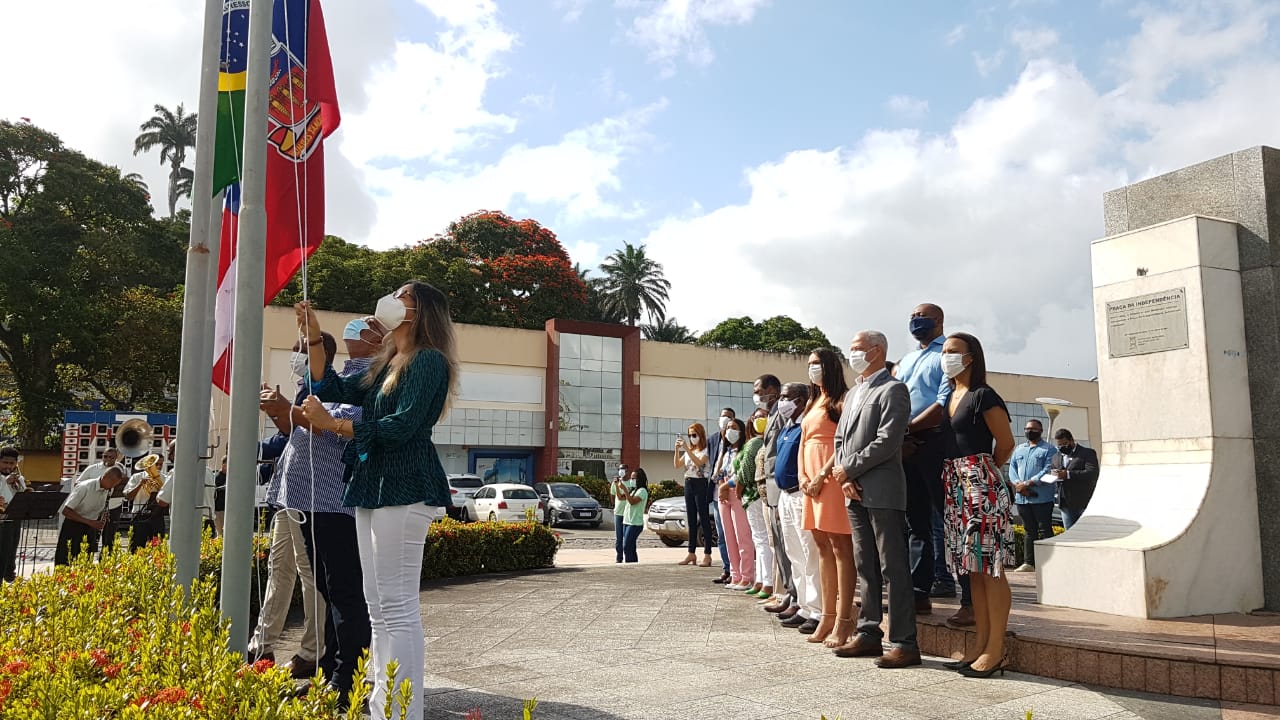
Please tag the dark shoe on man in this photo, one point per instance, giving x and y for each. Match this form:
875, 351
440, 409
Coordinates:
924, 606
898, 658
301, 669
809, 627
942, 589
794, 621
722, 579
862, 645
962, 618
789, 612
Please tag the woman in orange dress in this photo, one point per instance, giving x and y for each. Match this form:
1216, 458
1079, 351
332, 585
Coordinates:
824, 504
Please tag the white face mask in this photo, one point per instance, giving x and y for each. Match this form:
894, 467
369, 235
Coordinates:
724, 422
732, 435
693, 439
622, 473
786, 408
952, 364
760, 404
858, 362
815, 374
391, 313
300, 363
631, 484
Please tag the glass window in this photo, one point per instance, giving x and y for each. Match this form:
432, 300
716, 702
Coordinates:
570, 346
611, 401
568, 490
612, 349
570, 363
590, 399
591, 379
593, 365
572, 377
592, 347
519, 494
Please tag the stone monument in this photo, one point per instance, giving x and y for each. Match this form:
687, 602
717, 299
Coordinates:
1186, 292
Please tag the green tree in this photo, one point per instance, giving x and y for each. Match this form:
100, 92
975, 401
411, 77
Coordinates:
634, 285
597, 309
173, 131
668, 331
75, 237
779, 334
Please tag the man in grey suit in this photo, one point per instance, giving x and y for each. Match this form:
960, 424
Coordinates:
869, 469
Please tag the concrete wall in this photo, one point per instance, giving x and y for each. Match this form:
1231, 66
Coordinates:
1243, 187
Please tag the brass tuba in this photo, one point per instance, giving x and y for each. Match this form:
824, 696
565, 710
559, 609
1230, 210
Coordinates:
133, 439
151, 466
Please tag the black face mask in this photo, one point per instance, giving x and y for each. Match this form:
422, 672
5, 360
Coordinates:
921, 328
1034, 435
1067, 449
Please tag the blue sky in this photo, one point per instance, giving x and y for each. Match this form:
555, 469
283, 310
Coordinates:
836, 161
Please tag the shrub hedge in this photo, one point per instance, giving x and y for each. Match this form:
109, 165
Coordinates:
454, 549
1019, 537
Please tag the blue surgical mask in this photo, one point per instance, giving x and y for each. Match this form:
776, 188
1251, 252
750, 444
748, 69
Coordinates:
922, 327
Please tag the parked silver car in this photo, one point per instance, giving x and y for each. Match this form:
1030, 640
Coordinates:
667, 519
568, 503
461, 489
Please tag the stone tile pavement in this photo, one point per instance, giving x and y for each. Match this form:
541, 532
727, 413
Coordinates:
595, 641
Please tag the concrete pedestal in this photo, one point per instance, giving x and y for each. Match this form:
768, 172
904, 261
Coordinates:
1173, 528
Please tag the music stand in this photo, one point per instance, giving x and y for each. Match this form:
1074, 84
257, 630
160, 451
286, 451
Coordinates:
34, 506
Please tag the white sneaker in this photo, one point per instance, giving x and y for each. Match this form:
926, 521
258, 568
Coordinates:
735, 586
1025, 567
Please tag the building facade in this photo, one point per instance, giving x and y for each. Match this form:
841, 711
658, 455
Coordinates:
578, 398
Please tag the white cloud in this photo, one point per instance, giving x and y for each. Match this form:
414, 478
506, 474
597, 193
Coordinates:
674, 29
988, 63
992, 218
1034, 41
956, 34
572, 9
907, 106
567, 182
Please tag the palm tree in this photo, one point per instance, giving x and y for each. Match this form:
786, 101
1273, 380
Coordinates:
173, 132
633, 284
669, 331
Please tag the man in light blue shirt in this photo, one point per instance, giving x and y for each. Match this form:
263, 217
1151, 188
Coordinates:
1034, 490
926, 445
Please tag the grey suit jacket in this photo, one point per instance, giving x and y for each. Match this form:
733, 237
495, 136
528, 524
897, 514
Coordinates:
771, 432
869, 442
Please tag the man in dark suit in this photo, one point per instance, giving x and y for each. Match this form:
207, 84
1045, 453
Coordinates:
1076, 468
869, 469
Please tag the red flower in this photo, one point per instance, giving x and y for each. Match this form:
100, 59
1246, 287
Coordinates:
99, 657
16, 667
263, 665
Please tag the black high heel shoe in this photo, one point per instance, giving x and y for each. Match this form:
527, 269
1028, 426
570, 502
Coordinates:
957, 665
969, 672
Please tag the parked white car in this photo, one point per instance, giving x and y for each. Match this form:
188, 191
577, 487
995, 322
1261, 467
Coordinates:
461, 488
505, 502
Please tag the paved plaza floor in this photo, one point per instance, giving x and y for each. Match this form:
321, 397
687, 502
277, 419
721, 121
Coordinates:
591, 639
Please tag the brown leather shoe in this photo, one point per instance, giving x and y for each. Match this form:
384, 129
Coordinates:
898, 658
301, 669
778, 607
924, 606
789, 612
862, 645
962, 618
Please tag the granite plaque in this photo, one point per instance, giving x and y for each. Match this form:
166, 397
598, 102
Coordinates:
1147, 324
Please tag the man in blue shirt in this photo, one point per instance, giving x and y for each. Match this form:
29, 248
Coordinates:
1033, 490
926, 446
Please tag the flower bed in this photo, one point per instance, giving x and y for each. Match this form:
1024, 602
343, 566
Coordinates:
118, 639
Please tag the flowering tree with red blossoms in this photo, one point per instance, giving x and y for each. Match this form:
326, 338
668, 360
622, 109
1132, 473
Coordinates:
525, 274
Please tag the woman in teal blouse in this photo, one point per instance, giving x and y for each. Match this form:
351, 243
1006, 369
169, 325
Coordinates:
397, 483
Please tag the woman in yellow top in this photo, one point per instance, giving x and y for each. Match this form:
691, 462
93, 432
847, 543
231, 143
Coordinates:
825, 514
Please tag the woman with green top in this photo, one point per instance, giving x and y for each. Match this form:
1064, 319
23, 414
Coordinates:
633, 514
618, 489
397, 484
748, 470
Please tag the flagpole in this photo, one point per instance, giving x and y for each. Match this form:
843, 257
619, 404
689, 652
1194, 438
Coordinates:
246, 358
197, 361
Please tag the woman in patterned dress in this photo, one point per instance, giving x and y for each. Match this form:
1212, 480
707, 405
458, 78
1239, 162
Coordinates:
397, 483
979, 534
825, 513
